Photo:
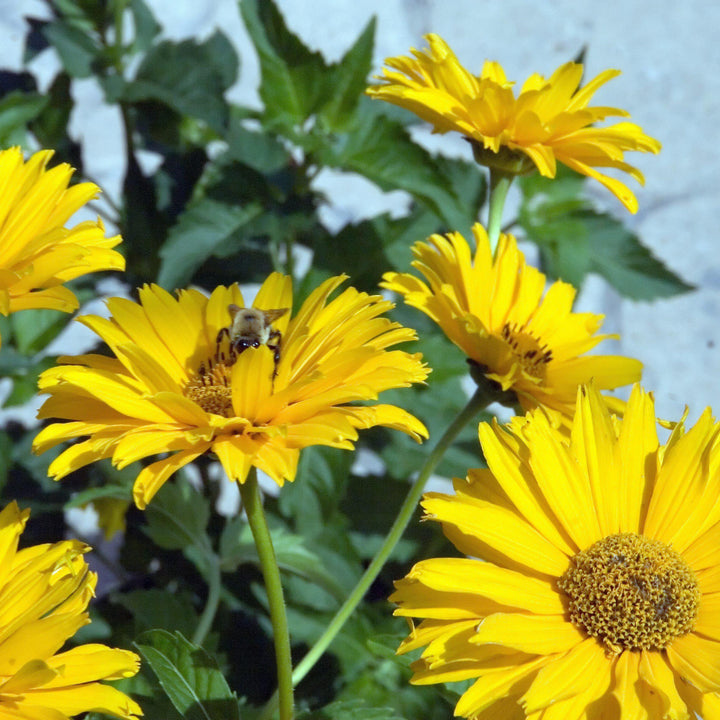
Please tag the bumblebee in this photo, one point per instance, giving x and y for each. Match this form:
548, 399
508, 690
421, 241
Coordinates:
252, 327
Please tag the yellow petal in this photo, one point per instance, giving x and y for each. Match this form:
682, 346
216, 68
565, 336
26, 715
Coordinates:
538, 634
567, 675
696, 659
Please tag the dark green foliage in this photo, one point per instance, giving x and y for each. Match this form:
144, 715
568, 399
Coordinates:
189, 676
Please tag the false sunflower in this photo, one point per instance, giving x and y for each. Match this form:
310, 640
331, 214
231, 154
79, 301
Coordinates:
600, 594
493, 309
44, 593
37, 252
548, 122
177, 386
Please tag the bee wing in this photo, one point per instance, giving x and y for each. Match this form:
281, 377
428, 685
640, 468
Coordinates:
233, 310
272, 315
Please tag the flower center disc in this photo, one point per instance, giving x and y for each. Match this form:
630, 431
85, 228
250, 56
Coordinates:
526, 348
631, 593
211, 388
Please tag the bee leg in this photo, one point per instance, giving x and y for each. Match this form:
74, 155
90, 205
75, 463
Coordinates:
273, 343
223, 332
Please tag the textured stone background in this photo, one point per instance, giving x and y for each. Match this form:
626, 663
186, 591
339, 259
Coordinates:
670, 58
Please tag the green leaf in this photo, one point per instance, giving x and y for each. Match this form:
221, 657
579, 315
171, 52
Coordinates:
201, 230
259, 151
25, 384
189, 676
77, 50
351, 710
294, 80
34, 329
349, 79
574, 239
312, 500
177, 516
112, 490
237, 547
146, 27
17, 109
189, 77
159, 609
618, 255
50, 127
382, 151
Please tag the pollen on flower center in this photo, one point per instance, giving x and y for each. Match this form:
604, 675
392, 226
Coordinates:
211, 388
526, 348
631, 593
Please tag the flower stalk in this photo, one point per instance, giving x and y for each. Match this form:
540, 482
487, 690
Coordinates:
500, 182
482, 397
214, 581
252, 503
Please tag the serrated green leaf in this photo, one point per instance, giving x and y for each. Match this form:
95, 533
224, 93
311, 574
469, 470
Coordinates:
177, 516
189, 676
77, 50
574, 239
383, 152
201, 231
567, 255
189, 77
618, 255
17, 109
294, 80
349, 79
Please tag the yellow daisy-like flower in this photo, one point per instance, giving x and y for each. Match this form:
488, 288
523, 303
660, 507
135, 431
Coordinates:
44, 593
548, 122
600, 597
37, 252
187, 380
493, 309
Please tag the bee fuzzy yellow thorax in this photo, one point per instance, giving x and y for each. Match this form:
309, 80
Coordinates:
251, 328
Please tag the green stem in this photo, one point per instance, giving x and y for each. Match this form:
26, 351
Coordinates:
500, 182
289, 259
119, 11
214, 582
252, 503
480, 400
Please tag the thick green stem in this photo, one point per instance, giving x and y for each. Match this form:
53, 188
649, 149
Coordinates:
500, 182
480, 400
214, 581
252, 503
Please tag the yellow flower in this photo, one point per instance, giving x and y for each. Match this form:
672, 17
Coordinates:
600, 594
548, 122
44, 593
37, 252
176, 385
493, 309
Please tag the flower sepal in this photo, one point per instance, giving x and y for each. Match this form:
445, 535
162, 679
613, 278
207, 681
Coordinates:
510, 162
